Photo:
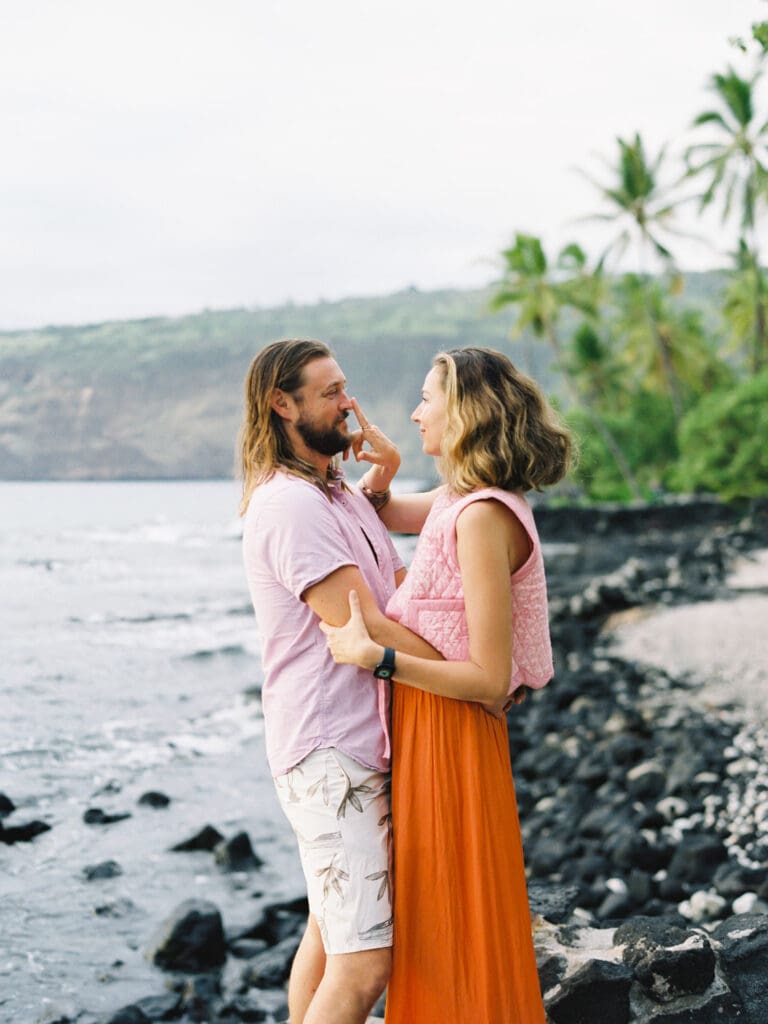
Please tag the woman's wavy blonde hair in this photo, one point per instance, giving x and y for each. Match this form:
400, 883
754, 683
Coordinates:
264, 445
501, 431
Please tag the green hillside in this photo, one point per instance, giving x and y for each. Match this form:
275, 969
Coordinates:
161, 398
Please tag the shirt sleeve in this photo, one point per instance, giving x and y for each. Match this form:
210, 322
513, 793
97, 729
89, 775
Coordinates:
397, 562
299, 541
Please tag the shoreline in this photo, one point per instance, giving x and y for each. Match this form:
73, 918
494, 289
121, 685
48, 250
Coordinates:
719, 646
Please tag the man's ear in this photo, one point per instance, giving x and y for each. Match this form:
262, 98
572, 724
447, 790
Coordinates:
279, 404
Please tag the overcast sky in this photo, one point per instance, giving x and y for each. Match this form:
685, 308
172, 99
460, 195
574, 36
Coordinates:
162, 156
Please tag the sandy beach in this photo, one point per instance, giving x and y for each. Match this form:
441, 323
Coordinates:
720, 646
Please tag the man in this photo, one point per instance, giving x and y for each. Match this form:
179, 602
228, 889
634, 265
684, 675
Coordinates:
308, 540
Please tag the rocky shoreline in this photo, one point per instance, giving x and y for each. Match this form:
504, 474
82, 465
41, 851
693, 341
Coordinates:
644, 810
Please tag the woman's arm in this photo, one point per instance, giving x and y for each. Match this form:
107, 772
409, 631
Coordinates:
491, 544
407, 513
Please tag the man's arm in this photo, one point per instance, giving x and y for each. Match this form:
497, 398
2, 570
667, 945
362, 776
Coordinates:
329, 599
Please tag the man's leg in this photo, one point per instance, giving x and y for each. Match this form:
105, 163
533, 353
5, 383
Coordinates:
306, 972
351, 985
339, 810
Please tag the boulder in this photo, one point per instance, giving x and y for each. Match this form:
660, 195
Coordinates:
208, 838
106, 869
733, 879
697, 857
22, 833
152, 798
646, 781
237, 854
555, 903
743, 946
277, 922
719, 1008
271, 968
130, 1015
597, 991
96, 816
686, 969
191, 939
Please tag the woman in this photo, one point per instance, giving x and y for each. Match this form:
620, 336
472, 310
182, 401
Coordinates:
463, 950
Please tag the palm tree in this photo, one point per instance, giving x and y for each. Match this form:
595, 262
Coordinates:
734, 165
746, 300
644, 213
540, 296
681, 329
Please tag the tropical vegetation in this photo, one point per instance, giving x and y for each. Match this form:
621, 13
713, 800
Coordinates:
662, 396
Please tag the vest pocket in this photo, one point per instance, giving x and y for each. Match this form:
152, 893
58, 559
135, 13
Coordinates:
442, 622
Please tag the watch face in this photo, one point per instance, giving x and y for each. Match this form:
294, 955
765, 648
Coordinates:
382, 672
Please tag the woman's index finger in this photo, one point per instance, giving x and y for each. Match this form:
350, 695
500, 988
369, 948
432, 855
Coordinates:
359, 415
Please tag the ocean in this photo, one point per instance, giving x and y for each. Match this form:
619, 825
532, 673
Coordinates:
130, 663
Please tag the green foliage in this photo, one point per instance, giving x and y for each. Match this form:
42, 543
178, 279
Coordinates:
645, 430
732, 159
636, 201
724, 442
660, 341
745, 308
542, 291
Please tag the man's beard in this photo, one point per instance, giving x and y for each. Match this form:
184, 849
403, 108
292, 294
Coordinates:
328, 441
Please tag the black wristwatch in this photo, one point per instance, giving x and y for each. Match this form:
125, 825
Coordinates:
386, 667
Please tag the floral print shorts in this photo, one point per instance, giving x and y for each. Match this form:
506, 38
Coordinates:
340, 812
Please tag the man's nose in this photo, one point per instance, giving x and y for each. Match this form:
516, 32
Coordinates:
345, 401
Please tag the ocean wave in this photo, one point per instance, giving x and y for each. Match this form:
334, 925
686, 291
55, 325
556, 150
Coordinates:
226, 650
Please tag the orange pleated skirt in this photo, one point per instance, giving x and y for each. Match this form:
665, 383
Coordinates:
463, 950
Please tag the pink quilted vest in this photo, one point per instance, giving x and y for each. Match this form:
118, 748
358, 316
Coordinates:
431, 600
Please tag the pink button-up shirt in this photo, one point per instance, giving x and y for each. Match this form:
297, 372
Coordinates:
293, 537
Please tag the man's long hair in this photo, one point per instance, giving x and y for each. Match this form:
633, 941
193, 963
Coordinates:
264, 445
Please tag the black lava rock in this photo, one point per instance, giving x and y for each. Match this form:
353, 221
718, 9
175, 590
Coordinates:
23, 833
163, 1007
106, 869
743, 942
192, 939
554, 903
96, 816
551, 971
271, 968
208, 838
237, 854
688, 969
154, 799
717, 1009
7, 806
733, 879
278, 921
130, 1015
697, 857
243, 1008
597, 991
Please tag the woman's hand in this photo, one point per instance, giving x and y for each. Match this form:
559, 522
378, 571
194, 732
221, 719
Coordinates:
499, 708
351, 644
382, 453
